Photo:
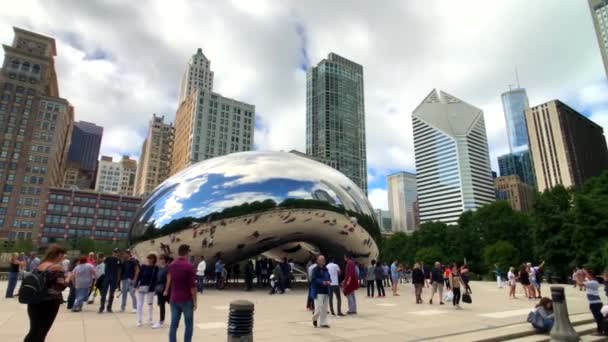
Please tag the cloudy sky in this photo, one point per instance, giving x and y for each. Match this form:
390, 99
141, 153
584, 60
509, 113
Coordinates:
120, 61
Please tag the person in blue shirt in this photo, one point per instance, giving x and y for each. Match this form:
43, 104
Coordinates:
394, 277
219, 269
321, 282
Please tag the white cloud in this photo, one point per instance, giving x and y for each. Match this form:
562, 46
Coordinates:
378, 198
468, 48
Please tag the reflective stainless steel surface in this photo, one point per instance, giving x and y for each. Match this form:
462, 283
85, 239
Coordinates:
244, 204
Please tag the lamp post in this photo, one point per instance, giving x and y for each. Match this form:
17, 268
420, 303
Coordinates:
562, 328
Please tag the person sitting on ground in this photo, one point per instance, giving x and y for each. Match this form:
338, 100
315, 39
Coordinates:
541, 317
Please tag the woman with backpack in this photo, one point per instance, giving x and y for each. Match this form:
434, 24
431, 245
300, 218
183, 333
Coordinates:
43, 310
145, 284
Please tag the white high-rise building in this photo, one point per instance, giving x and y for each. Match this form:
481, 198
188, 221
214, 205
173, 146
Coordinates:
116, 177
197, 75
599, 14
453, 172
208, 124
401, 198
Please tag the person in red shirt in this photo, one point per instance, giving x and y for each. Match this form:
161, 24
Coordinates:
447, 272
181, 286
351, 284
92, 259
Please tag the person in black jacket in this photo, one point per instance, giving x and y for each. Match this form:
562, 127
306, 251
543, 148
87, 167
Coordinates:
161, 280
145, 284
418, 281
437, 281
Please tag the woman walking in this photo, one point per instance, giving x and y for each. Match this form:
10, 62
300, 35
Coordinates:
455, 282
145, 285
161, 280
83, 277
418, 281
371, 278
512, 282
379, 273
13, 275
42, 314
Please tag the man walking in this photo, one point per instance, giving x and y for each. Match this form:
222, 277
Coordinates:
200, 274
437, 282
181, 283
321, 282
130, 270
111, 279
394, 277
334, 289
351, 284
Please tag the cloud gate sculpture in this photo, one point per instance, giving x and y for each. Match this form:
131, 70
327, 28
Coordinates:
245, 204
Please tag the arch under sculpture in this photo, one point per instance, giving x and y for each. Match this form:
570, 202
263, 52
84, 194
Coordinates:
250, 203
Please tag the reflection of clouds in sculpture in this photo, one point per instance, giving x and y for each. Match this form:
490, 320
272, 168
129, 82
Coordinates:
173, 205
279, 198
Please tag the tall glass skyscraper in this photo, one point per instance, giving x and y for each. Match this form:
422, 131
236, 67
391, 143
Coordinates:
453, 172
85, 145
335, 116
517, 162
514, 104
401, 198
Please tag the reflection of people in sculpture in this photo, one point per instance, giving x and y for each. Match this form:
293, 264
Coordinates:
254, 235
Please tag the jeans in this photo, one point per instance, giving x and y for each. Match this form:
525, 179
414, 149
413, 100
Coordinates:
596, 311
334, 291
380, 286
81, 297
418, 291
177, 309
108, 284
41, 317
352, 302
12, 283
456, 299
161, 306
200, 283
321, 309
144, 298
126, 286
370, 288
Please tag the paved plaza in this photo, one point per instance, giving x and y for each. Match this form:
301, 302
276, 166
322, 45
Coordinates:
279, 317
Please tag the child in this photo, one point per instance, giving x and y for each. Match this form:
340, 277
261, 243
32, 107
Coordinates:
595, 302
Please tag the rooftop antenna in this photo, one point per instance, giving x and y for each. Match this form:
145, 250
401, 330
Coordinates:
517, 76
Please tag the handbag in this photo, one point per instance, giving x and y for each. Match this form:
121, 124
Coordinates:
466, 298
143, 289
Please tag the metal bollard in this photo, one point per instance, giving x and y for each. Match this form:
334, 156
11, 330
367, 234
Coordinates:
240, 321
562, 328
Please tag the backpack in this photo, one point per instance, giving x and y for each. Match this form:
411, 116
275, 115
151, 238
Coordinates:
33, 288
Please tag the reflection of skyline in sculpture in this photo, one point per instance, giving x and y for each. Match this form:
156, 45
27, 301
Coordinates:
247, 203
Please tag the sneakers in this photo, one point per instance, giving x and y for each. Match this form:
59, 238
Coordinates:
158, 325
133, 310
138, 324
441, 303
314, 324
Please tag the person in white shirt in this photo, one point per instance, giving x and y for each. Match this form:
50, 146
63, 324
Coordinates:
334, 288
512, 282
200, 275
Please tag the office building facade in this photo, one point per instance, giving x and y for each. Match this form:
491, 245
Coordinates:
155, 158
85, 145
116, 177
599, 15
567, 148
518, 163
453, 171
209, 125
36, 125
519, 194
384, 221
73, 214
335, 116
401, 188
197, 75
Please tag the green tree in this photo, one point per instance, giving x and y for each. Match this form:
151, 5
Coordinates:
502, 253
429, 255
85, 245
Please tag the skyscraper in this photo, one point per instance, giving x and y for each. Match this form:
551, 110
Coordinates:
37, 126
599, 14
517, 161
155, 158
401, 198
383, 217
207, 124
453, 171
116, 177
567, 148
519, 194
335, 116
84, 151
519, 164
